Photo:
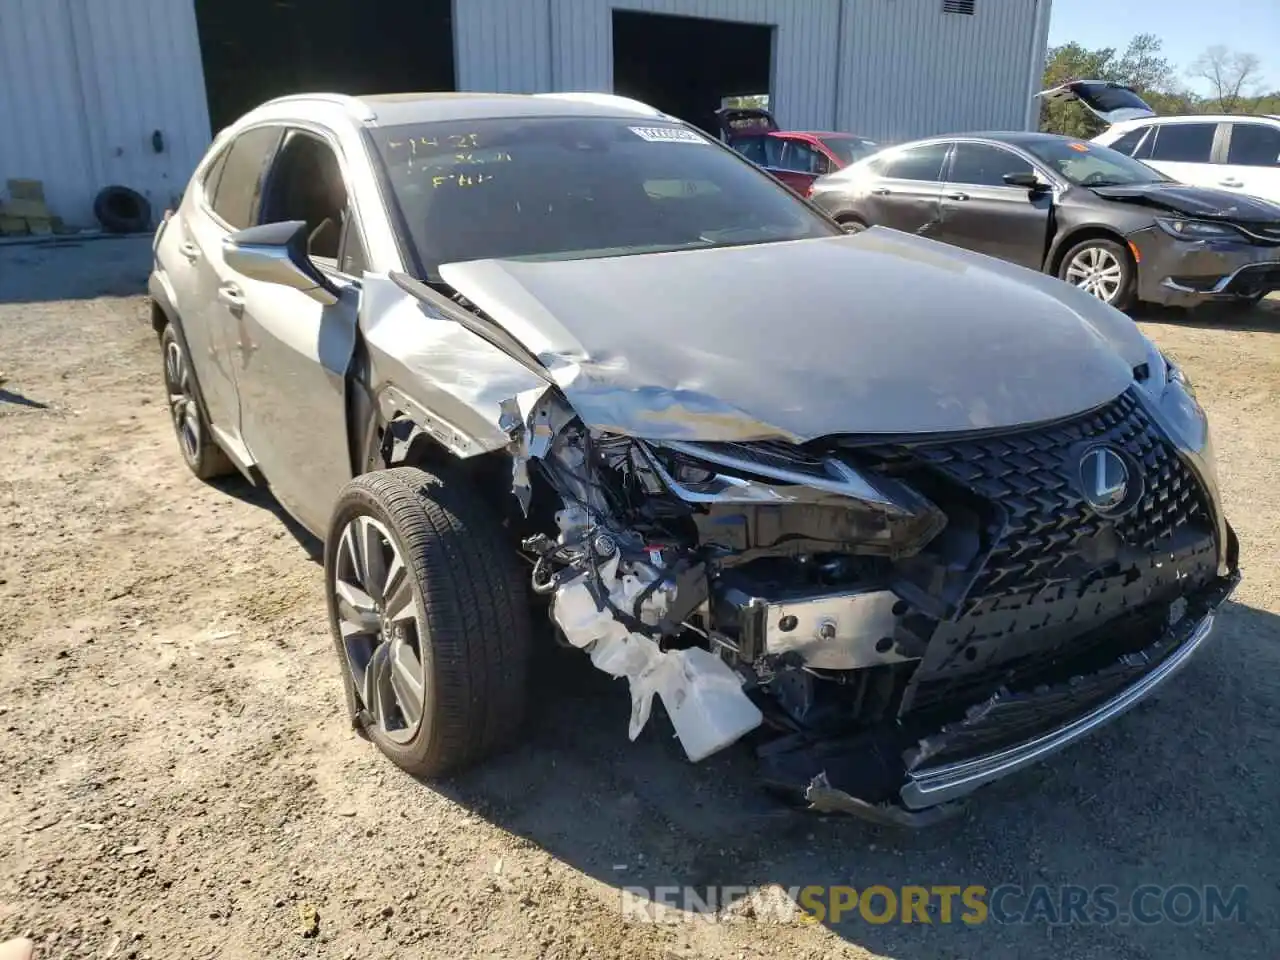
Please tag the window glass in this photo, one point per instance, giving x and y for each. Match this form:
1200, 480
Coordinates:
242, 175
1254, 145
984, 165
1091, 164
306, 184
354, 262
916, 163
1184, 142
567, 188
849, 149
1129, 142
214, 174
773, 149
802, 158
752, 148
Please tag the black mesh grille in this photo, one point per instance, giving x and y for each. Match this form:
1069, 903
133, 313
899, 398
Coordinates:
1032, 476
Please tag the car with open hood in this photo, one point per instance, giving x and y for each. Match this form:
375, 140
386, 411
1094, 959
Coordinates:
521, 359
1239, 153
796, 157
1102, 221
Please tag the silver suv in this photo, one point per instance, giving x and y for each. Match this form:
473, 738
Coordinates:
907, 517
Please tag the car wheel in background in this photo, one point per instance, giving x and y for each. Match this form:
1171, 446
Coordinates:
190, 425
850, 224
1102, 268
429, 611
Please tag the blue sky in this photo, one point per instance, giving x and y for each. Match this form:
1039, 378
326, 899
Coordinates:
1185, 26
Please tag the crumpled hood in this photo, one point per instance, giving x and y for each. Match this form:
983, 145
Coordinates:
1202, 202
876, 333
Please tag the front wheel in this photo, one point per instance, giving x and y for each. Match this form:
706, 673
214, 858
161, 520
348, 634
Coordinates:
1102, 268
430, 616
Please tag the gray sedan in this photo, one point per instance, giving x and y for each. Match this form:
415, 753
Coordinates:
1080, 211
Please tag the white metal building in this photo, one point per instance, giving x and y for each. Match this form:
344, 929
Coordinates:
100, 92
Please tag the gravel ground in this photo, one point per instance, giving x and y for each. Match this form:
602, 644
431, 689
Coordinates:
178, 780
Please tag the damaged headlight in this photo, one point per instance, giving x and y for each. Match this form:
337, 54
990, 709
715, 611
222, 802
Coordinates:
1196, 229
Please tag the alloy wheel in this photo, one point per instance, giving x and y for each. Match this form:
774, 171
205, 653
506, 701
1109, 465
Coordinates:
378, 621
182, 402
1096, 270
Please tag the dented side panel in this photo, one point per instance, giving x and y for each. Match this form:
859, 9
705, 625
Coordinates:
450, 381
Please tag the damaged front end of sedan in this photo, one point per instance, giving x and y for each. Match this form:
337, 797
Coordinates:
909, 620
900, 574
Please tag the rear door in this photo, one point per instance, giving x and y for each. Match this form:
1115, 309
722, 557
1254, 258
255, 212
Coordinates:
1109, 102
906, 190
1183, 150
1252, 152
292, 352
981, 212
227, 203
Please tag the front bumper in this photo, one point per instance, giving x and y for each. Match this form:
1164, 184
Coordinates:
930, 792
1180, 273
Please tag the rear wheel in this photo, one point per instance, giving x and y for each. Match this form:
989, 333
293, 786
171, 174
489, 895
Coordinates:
1102, 268
430, 616
190, 424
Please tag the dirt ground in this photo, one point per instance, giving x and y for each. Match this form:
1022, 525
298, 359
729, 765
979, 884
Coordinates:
178, 781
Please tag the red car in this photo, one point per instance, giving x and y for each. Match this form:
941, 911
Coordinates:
796, 158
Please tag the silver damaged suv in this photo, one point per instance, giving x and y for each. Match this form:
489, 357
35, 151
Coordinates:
902, 517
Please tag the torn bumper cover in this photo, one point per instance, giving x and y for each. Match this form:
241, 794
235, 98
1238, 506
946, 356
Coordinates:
1009, 731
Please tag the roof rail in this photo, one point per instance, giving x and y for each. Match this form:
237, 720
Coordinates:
353, 105
606, 100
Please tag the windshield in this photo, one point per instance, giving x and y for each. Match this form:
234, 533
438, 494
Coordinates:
849, 149
1091, 165
570, 188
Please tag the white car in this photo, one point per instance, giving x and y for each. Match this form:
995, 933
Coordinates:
1235, 152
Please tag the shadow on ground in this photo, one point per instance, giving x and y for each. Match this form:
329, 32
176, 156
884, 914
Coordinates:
235, 485
60, 270
1161, 797
1262, 318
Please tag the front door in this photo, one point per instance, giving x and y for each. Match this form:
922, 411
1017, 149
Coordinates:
981, 212
291, 353
906, 193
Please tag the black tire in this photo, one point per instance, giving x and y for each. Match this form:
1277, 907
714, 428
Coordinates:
122, 210
472, 619
1126, 292
850, 223
203, 457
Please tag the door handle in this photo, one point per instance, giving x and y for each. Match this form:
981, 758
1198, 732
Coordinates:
957, 196
232, 296
190, 251
881, 191
1231, 182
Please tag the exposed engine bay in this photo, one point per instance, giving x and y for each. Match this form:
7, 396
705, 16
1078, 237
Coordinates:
880, 607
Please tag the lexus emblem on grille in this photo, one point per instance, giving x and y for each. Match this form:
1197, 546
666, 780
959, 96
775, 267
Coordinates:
1104, 479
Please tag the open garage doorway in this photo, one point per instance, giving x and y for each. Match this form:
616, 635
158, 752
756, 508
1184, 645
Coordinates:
687, 66
254, 50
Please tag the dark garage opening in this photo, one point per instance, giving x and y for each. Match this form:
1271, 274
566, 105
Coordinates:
685, 66
254, 50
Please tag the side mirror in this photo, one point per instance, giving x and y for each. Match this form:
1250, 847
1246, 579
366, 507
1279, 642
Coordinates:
277, 253
1028, 180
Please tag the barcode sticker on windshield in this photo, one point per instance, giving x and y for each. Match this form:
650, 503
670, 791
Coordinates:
667, 135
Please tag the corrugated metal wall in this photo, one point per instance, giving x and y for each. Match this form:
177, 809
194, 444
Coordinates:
85, 84
909, 70
887, 68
